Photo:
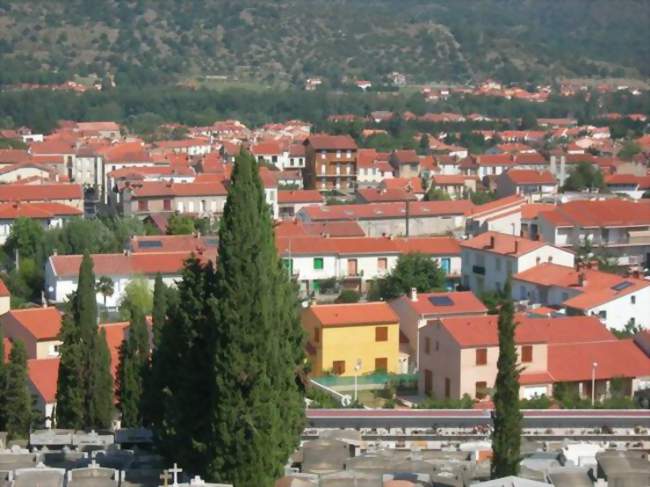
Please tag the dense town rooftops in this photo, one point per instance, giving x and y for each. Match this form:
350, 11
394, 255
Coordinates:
595, 214
530, 211
388, 210
172, 243
354, 314
297, 229
152, 189
41, 323
300, 196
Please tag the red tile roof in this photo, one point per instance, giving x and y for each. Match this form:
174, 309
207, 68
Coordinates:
451, 179
115, 334
300, 196
44, 375
528, 176
40, 192
615, 358
366, 157
267, 148
331, 142
4, 291
501, 204
296, 228
643, 182
388, 210
379, 195
461, 303
494, 160
594, 214
51, 147
367, 245
406, 157
149, 263
40, 323
125, 152
530, 211
354, 314
11, 211
504, 244
152, 189
482, 331
412, 185
171, 243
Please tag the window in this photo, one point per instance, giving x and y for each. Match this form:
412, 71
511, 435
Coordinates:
167, 205
632, 299
338, 367
602, 314
550, 258
318, 263
481, 389
381, 334
427, 345
274, 159
179, 207
317, 335
382, 263
509, 267
527, 353
143, 205
498, 264
204, 206
381, 364
481, 356
538, 260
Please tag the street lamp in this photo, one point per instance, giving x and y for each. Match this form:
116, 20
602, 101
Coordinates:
357, 368
593, 383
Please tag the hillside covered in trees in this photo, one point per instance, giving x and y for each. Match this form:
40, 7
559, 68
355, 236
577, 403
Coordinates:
160, 41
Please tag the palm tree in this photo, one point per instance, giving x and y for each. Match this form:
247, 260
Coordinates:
105, 287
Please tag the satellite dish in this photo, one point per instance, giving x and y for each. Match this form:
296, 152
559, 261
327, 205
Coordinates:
346, 400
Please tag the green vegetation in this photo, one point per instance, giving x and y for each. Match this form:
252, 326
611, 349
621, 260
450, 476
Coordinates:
16, 403
465, 402
137, 298
348, 296
436, 194
506, 437
133, 371
241, 321
85, 385
584, 176
413, 270
148, 42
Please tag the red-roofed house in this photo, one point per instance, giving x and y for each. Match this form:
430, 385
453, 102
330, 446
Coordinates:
628, 184
620, 226
201, 199
616, 300
489, 258
418, 309
50, 215
63, 193
406, 163
455, 185
342, 337
271, 152
290, 202
532, 185
62, 271
459, 356
43, 378
37, 328
502, 215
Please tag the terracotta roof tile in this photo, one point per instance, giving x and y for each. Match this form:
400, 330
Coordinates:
501, 243
331, 142
446, 304
528, 176
41, 323
11, 211
300, 196
593, 214
44, 375
354, 314
40, 192
152, 189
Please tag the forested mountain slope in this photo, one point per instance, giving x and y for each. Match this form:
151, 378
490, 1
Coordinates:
157, 41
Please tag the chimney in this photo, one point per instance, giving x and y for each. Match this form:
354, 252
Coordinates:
414, 294
516, 246
491, 242
636, 274
55, 252
582, 280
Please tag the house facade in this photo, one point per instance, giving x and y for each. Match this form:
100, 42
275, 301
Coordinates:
330, 163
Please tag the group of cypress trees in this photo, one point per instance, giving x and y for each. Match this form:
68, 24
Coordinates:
15, 398
84, 397
222, 389
506, 437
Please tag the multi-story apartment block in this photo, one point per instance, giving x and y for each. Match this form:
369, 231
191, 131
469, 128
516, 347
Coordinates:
330, 163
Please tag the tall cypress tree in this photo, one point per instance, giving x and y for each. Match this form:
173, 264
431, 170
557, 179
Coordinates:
506, 438
2, 383
133, 370
85, 385
258, 409
159, 310
71, 382
18, 400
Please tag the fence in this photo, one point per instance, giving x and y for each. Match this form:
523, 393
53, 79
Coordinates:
369, 381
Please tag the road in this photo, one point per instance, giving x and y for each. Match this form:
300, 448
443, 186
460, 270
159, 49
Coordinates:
428, 418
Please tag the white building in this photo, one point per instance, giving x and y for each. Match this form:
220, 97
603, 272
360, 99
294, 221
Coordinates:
489, 258
616, 300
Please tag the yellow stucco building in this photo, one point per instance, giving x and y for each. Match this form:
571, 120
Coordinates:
342, 335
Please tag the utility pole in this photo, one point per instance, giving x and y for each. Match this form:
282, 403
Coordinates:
408, 210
